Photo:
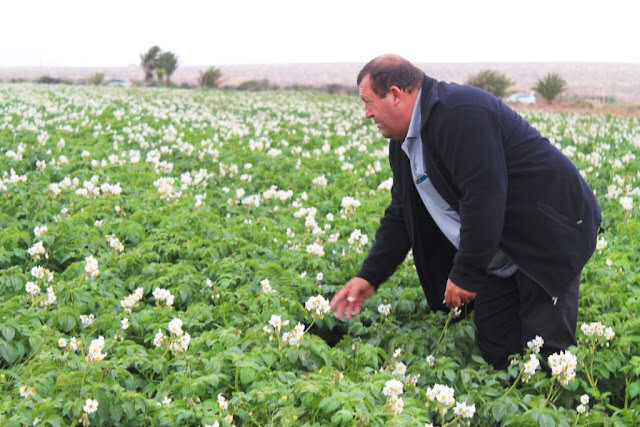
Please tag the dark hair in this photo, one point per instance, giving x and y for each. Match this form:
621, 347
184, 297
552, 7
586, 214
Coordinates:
391, 70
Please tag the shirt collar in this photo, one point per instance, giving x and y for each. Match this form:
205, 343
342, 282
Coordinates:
414, 126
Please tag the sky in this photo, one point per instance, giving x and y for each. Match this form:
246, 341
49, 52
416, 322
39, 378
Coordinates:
116, 32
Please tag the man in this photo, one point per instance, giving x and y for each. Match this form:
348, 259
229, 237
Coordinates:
492, 211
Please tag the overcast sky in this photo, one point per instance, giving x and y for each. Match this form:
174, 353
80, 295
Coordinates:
114, 33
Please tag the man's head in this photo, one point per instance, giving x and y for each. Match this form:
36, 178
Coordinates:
388, 86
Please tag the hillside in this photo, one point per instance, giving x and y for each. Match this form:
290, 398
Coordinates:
621, 81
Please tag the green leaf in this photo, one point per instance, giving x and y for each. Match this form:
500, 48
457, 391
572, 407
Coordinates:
247, 375
329, 404
8, 353
7, 332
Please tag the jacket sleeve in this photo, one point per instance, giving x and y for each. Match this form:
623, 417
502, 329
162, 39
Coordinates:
390, 247
470, 144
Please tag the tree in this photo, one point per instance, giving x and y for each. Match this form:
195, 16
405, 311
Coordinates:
96, 79
550, 86
210, 78
168, 61
149, 62
491, 81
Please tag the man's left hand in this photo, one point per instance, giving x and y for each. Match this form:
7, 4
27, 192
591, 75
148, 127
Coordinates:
455, 296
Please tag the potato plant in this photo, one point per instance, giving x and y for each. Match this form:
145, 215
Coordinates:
167, 256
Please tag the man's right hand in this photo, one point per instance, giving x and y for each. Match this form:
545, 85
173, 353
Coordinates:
349, 299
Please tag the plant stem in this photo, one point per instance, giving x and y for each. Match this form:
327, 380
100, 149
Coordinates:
551, 389
514, 383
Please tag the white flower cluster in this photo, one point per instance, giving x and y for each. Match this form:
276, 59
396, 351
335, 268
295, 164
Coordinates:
318, 305
582, 407
40, 230
87, 320
163, 295
626, 203
90, 406
535, 344
95, 354
199, 200
222, 402
597, 331
165, 187
42, 274
393, 389
386, 184
320, 181
357, 240
179, 340
64, 185
131, 300
463, 410
349, 205
277, 323
316, 248
384, 310
601, 243
32, 288
563, 365
50, 299
530, 367
295, 335
252, 200
115, 243
265, 287
27, 391
443, 395
91, 266
72, 345
37, 251
17, 155
274, 193
12, 178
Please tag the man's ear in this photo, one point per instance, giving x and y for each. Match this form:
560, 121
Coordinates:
396, 94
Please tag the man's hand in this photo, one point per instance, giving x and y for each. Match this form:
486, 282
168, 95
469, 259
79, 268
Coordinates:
455, 296
349, 299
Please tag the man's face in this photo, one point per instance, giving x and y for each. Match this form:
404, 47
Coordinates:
383, 111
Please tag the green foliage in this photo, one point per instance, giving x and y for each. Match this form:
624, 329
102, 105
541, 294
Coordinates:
257, 85
210, 78
550, 86
212, 257
96, 79
149, 62
168, 63
492, 81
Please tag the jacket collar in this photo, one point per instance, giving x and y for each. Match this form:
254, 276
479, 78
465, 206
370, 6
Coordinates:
428, 100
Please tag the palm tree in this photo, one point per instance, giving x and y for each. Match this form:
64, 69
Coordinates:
168, 61
149, 62
550, 86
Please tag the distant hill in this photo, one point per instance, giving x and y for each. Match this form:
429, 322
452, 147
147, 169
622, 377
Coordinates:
621, 81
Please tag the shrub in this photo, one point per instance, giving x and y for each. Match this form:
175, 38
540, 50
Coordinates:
491, 81
210, 78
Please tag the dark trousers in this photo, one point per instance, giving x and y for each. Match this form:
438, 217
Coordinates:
509, 312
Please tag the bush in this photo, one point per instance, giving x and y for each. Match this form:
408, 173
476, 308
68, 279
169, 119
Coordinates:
210, 78
96, 79
491, 81
257, 85
46, 79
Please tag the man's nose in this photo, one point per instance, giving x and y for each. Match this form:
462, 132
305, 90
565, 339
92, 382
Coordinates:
368, 113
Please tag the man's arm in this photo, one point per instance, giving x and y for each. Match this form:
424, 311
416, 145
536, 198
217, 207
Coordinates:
470, 144
388, 251
390, 247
